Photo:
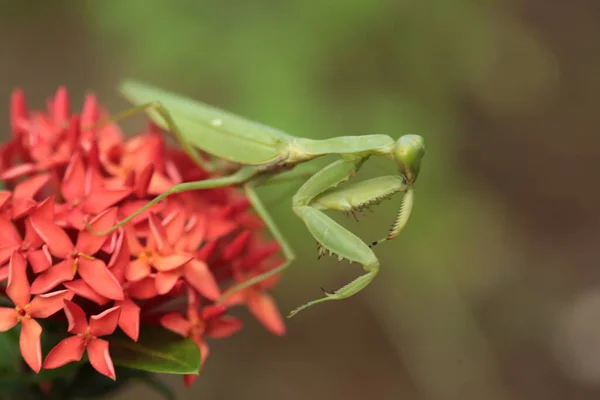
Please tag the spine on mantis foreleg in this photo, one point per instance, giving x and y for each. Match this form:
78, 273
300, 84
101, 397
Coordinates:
401, 218
359, 196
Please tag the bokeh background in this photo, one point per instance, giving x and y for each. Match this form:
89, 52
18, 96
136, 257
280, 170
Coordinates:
493, 290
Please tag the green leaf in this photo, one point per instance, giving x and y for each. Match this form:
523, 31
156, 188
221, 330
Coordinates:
9, 348
157, 350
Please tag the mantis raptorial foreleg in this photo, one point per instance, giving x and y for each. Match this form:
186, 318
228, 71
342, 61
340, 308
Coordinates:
320, 193
356, 197
330, 235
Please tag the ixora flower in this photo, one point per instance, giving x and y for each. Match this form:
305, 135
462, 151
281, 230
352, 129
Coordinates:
162, 272
87, 337
26, 310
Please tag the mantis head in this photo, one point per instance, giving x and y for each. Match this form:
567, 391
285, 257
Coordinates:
408, 152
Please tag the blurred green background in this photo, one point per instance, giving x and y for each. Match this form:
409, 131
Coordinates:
492, 291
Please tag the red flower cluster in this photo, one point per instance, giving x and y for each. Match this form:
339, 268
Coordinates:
60, 173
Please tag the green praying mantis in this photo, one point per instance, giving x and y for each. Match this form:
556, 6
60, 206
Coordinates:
265, 155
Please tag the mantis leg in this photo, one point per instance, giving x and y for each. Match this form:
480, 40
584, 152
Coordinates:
299, 172
331, 236
287, 176
285, 246
243, 175
172, 127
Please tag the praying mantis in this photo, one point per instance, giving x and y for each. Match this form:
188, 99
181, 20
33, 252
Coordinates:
265, 155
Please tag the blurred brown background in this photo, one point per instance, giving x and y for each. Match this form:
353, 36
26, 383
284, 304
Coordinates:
493, 290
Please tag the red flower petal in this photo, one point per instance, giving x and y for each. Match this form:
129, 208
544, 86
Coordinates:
262, 306
61, 106
189, 379
120, 257
22, 208
175, 322
57, 240
99, 356
137, 270
100, 198
144, 289
197, 274
8, 233
89, 243
174, 226
218, 228
45, 305
40, 260
196, 233
132, 206
44, 210
8, 318
212, 312
158, 233
129, 320
3, 273
7, 251
236, 246
106, 322
29, 188
76, 317
29, 342
74, 217
95, 273
258, 255
110, 243
223, 327
171, 262
90, 112
17, 171
204, 350
207, 250
235, 299
159, 184
73, 184
53, 276
18, 108
66, 351
82, 289
135, 247
143, 181
18, 285
165, 281
32, 239
4, 197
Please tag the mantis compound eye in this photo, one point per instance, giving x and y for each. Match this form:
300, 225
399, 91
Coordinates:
408, 152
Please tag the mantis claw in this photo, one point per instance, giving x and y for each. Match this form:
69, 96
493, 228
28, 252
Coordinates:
401, 218
325, 291
346, 291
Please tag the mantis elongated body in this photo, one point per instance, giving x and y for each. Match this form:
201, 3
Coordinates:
266, 155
